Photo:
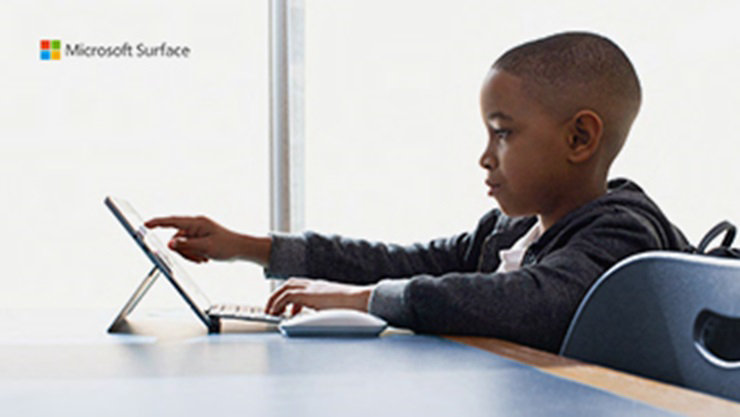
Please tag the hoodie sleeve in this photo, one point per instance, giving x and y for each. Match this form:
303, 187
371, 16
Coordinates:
532, 305
341, 259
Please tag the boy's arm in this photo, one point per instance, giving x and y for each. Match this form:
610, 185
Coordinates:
533, 305
356, 261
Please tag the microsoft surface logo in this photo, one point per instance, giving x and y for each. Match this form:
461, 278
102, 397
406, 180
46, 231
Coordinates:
51, 49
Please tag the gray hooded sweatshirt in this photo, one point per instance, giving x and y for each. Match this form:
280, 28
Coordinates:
450, 285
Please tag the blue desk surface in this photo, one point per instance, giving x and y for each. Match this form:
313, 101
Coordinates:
65, 364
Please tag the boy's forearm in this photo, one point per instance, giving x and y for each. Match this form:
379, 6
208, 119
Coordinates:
357, 261
255, 249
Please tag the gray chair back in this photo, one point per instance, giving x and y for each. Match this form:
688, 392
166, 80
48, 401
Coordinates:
668, 316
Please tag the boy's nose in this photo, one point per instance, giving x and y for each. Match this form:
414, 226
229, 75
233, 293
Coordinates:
487, 160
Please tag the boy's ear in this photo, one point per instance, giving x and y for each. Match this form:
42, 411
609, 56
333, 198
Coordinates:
585, 134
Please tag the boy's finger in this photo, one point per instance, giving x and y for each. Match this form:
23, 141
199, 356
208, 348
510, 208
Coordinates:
273, 297
192, 246
179, 222
290, 284
194, 257
288, 296
282, 302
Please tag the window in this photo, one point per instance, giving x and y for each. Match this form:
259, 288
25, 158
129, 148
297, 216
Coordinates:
171, 135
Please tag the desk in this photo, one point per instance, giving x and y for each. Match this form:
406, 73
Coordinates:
658, 394
65, 364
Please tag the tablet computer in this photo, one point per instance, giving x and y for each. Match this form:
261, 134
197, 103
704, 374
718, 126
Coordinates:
165, 263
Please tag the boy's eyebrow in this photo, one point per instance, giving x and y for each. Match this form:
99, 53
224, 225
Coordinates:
499, 115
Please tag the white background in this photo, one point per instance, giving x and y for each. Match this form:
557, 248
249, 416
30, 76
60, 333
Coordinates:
393, 131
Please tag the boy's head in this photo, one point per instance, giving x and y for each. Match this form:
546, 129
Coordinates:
558, 110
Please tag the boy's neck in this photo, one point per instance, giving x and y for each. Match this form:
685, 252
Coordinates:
571, 202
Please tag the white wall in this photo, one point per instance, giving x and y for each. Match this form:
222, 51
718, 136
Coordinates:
393, 127
171, 136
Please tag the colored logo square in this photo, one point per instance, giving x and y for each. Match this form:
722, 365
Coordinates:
51, 49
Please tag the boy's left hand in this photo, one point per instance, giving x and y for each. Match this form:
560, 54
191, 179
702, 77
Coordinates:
319, 295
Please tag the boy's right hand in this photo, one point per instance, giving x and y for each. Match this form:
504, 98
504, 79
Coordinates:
200, 239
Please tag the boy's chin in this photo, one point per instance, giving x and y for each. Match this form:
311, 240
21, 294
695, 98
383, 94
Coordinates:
514, 211
507, 211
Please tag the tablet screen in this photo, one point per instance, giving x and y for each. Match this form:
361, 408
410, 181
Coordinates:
158, 253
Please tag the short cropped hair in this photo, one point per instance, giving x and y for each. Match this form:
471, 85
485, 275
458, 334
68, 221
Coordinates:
569, 71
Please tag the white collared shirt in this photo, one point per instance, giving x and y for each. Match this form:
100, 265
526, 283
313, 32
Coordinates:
511, 259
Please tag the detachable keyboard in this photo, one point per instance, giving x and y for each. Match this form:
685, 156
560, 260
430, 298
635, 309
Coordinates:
242, 312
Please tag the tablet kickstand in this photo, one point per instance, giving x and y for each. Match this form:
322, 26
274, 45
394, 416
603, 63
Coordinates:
133, 301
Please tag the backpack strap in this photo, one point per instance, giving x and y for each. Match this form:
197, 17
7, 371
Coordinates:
723, 226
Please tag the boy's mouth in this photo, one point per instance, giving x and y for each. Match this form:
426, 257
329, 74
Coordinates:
493, 187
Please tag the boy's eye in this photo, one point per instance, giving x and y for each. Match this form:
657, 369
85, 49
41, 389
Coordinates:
501, 133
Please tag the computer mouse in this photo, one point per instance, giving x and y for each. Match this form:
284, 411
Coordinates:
336, 322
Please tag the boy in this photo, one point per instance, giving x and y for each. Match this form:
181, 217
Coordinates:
557, 111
